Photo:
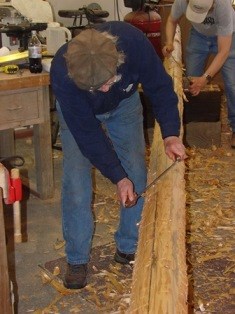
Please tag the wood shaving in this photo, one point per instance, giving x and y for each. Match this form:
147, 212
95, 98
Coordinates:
210, 229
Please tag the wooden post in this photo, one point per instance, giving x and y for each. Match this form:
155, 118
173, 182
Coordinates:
43, 151
160, 275
7, 143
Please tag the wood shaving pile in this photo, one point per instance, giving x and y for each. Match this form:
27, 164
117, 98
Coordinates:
210, 187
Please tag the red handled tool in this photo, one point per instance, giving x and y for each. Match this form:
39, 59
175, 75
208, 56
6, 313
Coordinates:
137, 196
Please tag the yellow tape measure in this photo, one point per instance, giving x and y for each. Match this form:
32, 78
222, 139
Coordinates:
9, 69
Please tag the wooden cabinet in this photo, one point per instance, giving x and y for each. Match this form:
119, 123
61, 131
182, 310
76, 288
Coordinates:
21, 107
24, 100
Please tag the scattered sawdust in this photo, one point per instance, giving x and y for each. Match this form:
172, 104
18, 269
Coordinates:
108, 288
59, 244
210, 187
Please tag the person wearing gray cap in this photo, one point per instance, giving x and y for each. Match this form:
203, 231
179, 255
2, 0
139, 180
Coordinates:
95, 80
212, 32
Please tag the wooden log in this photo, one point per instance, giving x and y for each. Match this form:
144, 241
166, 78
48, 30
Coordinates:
160, 274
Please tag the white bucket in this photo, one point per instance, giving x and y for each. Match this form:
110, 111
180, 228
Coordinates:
56, 36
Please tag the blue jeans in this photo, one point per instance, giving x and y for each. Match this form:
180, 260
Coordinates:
198, 49
124, 126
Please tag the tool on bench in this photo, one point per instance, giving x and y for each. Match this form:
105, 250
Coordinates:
137, 196
9, 69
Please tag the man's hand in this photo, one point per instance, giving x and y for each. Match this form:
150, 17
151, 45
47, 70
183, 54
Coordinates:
174, 148
125, 191
197, 84
167, 50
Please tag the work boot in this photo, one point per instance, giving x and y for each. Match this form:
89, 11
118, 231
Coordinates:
76, 276
233, 140
124, 258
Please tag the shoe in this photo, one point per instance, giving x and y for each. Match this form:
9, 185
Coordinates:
76, 276
233, 140
124, 258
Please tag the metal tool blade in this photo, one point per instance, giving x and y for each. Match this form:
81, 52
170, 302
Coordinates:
132, 203
159, 177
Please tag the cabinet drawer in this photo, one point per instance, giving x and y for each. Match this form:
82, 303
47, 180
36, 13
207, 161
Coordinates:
21, 107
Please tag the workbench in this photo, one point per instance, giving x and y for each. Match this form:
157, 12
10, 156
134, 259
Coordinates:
24, 101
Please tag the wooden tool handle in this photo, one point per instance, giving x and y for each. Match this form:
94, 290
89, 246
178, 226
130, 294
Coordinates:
130, 203
15, 174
